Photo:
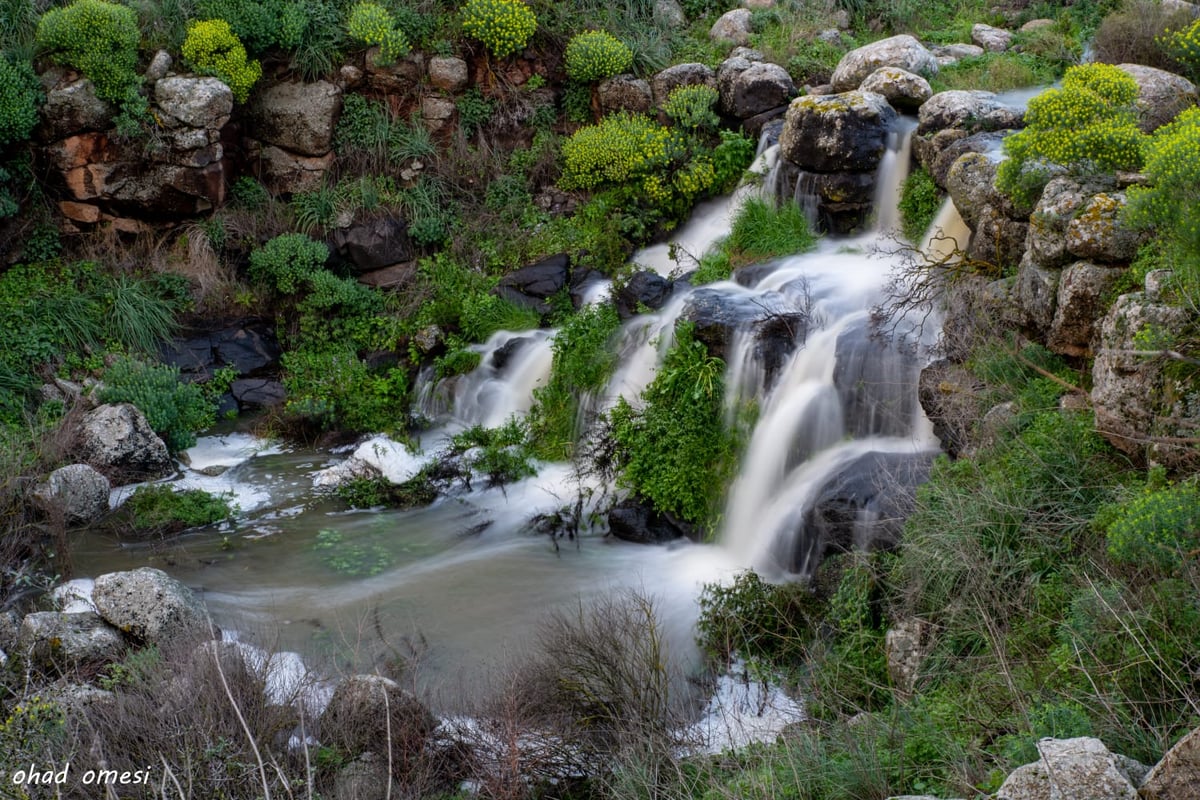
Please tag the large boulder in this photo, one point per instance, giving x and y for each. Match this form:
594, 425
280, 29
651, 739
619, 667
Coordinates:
1177, 775
970, 110
834, 132
672, 78
902, 51
1070, 769
1083, 293
77, 491
285, 172
1056, 208
1035, 293
204, 103
637, 520
732, 27
59, 642
991, 38
1161, 96
152, 607
757, 88
625, 93
373, 243
905, 90
118, 441
298, 117
73, 108
533, 286
644, 289
1097, 231
365, 710
998, 239
938, 151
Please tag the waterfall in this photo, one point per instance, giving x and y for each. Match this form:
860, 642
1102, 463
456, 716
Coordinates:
947, 234
893, 169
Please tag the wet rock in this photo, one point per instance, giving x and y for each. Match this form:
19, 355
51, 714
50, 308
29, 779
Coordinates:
625, 93
1035, 292
61, 642
951, 397
1083, 294
938, 152
77, 491
117, 440
732, 27
992, 39
718, 317
904, 90
876, 383
1097, 231
1162, 95
73, 108
374, 243
645, 289
204, 103
448, 74
672, 78
637, 520
902, 51
152, 607
970, 184
254, 393
970, 110
997, 240
362, 710
1069, 768
534, 285
758, 88
298, 117
830, 133
1177, 775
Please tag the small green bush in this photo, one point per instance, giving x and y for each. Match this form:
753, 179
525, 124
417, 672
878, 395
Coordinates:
1159, 527
920, 200
1184, 47
212, 49
158, 508
98, 38
503, 26
773, 623
372, 24
335, 388
20, 96
256, 23
596, 55
618, 149
691, 107
287, 262
1086, 127
763, 229
175, 410
501, 454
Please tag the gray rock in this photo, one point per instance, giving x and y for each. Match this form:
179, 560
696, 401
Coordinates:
903, 89
971, 185
732, 27
1097, 231
1177, 775
937, 152
1083, 292
625, 93
907, 644
193, 102
757, 88
1161, 96
10, 626
1037, 24
78, 491
829, 133
448, 74
998, 240
365, 778
1157, 284
73, 108
160, 65
284, 172
1060, 201
1069, 769
356, 719
1036, 294
117, 440
672, 78
298, 117
992, 39
152, 607
252, 393
970, 110
437, 112
957, 52
53, 641
951, 397
902, 51
669, 14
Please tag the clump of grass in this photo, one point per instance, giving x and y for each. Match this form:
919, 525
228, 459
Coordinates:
158, 509
763, 229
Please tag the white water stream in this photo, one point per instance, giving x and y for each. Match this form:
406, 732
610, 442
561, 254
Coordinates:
469, 576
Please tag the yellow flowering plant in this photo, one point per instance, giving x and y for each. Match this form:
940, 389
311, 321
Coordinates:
98, 38
596, 55
212, 49
503, 26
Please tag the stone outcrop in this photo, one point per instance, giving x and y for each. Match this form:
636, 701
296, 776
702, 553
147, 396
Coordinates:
718, 317
1083, 292
1177, 775
292, 126
533, 286
249, 347
902, 51
905, 90
625, 93
449, 74
72, 108
748, 88
373, 243
57, 642
77, 491
1097, 232
991, 38
357, 718
1161, 96
117, 441
644, 289
152, 607
1069, 769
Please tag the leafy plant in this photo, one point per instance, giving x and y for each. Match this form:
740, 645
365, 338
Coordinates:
761, 229
20, 96
501, 454
503, 26
160, 509
920, 200
287, 262
372, 24
98, 38
691, 107
596, 55
1160, 527
175, 410
474, 111
757, 620
334, 387
212, 49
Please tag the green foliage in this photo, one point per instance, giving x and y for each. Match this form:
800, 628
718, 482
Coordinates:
212, 49
772, 623
160, 509
763, 230
583, 362
249, 194
417, 491
287, 262
501, 454
372, 24
692, 107
310, 29
333, 387
920, 200
715, 266
1160, 527
138, 667
174, 410
814, 61
675, 449
356, 559
18, 26
620, 148
577, 102
1086, 127
98, 38
1184, 46
997, 72
341, 311
256, 23
481, 315
474, 111
596, 55
20, 96
503, 26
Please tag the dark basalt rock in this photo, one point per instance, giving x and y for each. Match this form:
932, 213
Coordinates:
374, 244
636, 520
249, 347
534, 285
716, 318
645, 289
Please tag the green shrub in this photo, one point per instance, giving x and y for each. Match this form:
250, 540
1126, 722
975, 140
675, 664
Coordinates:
342, 311
372, 24
1139, 34
675, 449
174, 410
20, 96
212, 49
501, 454
256, 23
596, 55
691, 107
98, 38
1086, 127
757, 620
335, 388
483, 314
1184, 46
417, 491
920, 200
763, 229
473, 111
159, 508
1159, 527
503, 26
620, 148
287, 262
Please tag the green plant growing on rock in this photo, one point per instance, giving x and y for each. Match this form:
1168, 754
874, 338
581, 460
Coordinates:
920, 200
763, 229
98, 38
372, 24
334, 387
693, 108
1088, 126
174, 410
212, 49
504, 27
596, 55
20, 96
622, 147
